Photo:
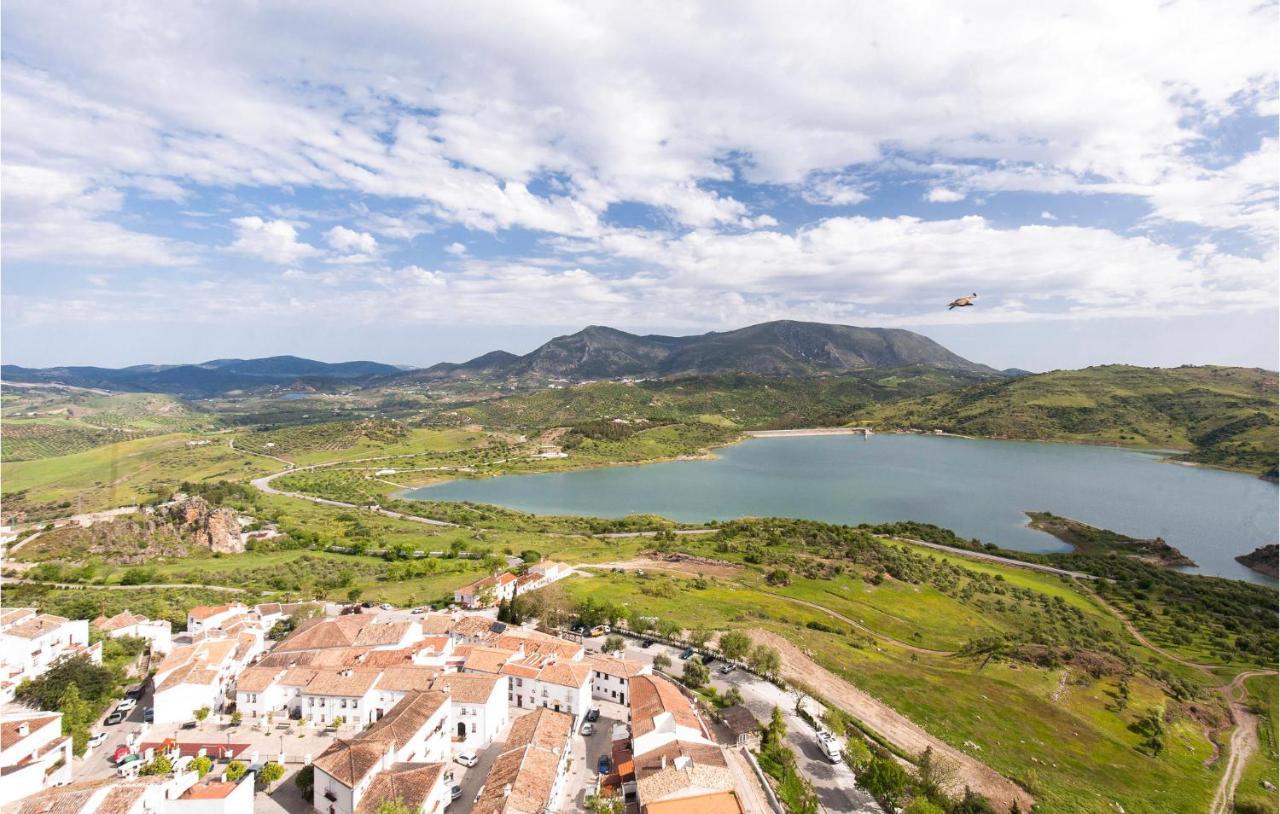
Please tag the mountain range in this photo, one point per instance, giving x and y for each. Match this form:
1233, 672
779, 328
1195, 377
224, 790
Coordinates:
783, 348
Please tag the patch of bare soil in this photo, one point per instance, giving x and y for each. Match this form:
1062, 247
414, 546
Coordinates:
897, 729
680, 563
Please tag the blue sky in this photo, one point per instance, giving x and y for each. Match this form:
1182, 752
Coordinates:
410, 186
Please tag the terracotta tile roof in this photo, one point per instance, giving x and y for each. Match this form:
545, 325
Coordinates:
202, 612
488, 659
523, 775
740, 720
268, 608
71, 799
401, 657
473, 626
467, 688
406, 718
316, 659
407, 679
257, 679
652, 696
318, 634
9, 727
566, 674
678, 767
348, 683
622, 668
297, 677
37, 626
193, 672
720, 802
177, 657
519, 670
209, 790
15, 614
381, 633
407, 783
436, 623
348, 761
121, 799
123, 619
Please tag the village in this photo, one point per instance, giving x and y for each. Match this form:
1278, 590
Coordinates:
350, 709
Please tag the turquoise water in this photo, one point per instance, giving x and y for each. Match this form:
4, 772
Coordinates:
978, 488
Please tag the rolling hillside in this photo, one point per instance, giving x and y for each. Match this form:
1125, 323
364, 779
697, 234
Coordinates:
1221, 416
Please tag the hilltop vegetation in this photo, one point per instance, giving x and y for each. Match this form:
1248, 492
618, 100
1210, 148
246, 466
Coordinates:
1220, 416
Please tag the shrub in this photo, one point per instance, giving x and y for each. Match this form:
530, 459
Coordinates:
235, 771
270, 773
305, 780
695, 674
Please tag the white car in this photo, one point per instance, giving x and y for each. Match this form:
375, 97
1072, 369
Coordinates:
588, 728
127, 704
467, 759
97, 738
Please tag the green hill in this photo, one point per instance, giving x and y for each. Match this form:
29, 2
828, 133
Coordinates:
1221, 416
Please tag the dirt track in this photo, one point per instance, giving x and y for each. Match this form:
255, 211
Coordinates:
682, 566
894, 727
1244, 742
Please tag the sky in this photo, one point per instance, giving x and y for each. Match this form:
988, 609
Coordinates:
414, 183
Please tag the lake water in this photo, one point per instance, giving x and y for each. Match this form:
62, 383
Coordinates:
977, 488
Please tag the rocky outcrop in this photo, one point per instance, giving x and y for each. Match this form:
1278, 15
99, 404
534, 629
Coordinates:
1263, 559
215, 529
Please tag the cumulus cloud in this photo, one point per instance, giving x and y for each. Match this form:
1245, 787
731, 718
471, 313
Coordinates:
456, 249
944, 195
275, 241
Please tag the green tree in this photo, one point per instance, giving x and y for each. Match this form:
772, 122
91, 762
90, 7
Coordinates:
695, 674
734, 645
305, 780
77, 714
613, 644
884, 779
669, 629
235, 770
732, 697
395, 806
201, 714
856, 752
270, 773
778, 576
612, 804
95, 682
661, 661
639, 622
160, 764
699, 636
921, 805
236, 718
338, 721
764, 660
354, 594
202, 764
776, 730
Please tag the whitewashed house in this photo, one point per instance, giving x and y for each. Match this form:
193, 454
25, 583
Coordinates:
31, 642
479, 708
34, 755
157, 632
611, 676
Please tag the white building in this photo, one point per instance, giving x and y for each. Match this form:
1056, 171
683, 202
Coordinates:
204, 618
215, 796
158, 632
347, 694
112, 795
486, 591
479, 708
30, 642
199, 675
34, 755
400, 755
611, 676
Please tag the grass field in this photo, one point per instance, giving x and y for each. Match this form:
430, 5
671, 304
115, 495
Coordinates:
1261, 768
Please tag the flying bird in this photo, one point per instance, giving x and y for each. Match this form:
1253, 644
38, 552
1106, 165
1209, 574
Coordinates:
961, 302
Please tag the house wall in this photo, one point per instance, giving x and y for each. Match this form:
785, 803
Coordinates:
178, 704
325, 787
239, 801
322, 709
35, 776
482, 721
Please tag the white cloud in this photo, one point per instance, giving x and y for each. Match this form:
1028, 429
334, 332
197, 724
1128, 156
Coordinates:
943, 195
275, 241
456, 249
1047, 215
348, 240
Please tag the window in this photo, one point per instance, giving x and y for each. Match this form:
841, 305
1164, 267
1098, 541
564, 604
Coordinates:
473, 729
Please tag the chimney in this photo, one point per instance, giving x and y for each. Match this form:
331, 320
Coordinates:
506, 790
664, 761
24, 729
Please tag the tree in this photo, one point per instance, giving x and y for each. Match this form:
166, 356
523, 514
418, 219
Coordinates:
354, 594
395, 806
270, 773
95, 683
884, 779
695, 674
669, 629
201, 714
734, 645
235, 771
77, 714
699, 636
613, 644
612, 804
921, 805
202, 764
236, 718
776, 729
934, 774
778, 576
639, 622
338, 721
160, 764
764, 660
732, 697
972, 804
305, 780
661, 662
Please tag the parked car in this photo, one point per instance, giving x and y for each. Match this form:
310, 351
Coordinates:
149, 715
467, 759
593, 714
97, 738
127, 704
603, 764
687, 654
588, 728
386, 606
419, 610
114, 718
455, 792
728, 668
119, 754
707, 661
830, 747
190, 724
647, 643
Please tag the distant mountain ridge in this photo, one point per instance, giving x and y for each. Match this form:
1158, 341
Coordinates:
782, 348
204, 379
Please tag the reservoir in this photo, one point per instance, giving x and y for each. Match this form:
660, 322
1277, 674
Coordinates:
977, 488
